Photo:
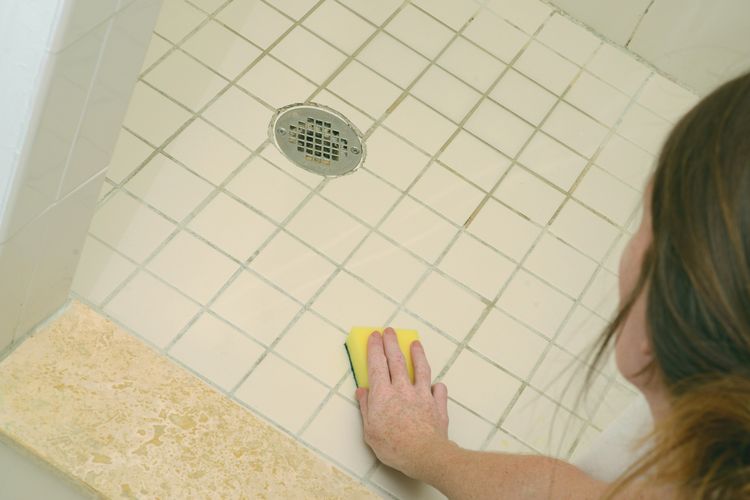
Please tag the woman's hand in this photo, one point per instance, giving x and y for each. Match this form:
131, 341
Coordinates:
405, 424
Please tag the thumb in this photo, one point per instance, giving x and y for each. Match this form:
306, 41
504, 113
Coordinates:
361, 395
440, 393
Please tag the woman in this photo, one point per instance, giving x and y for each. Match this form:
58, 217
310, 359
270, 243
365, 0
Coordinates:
682, 337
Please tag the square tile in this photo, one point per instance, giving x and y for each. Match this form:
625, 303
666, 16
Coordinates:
582, 329
168, 187
208, 269
327, 229
561, 265
337, 432
152, 309
176, 19
272, 154
268, 189
528, 194
208, 6
575, 129
130, 227
351, 30
274, 377
231, 226
152, 116
569, 39
386, 266
157, 47
402, 486
598, 99
317, 347
255, 307
666, 98
447, 193
438, 347
603, 294
454, 13
419, 31
535, 303
186, 80
626, 161
347, 302
207, 151
502, 442
499, 127
100, 271
362, 195
475, 160
374, 12
612, 261
221, 50
467, 429
446, 305
471, 64
495, 35
308, 54
393, 159
607, 195
436, 84
292, 266
645, 128
276, 84
552, 160
563, 379
483, 387
420, 124
526, 14
294, 8
365, 89
217, 351
585, 230
359, 119
418, 229
618, 68
241, 116
546, 68
392, 59
477, 266
130, 152
543, 425
508, 343
524, 97
254, 20
495, 222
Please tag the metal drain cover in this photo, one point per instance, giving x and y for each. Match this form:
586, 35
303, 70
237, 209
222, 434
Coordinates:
318, 139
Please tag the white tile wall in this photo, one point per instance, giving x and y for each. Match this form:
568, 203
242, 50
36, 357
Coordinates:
505, 161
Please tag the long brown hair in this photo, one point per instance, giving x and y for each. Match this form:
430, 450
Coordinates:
696, 273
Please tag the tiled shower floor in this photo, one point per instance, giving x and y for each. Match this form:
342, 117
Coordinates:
507, 151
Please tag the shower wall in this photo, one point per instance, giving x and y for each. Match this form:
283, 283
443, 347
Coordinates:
699, 43
68, 70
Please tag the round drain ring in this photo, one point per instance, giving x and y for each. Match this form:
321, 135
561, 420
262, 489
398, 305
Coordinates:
318, 139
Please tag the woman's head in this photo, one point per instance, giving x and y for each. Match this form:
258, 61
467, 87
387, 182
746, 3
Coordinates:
684, 321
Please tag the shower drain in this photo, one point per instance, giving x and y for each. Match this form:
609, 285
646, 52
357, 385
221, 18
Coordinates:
318, 139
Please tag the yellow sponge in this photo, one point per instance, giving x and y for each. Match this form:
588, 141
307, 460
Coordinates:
356, 347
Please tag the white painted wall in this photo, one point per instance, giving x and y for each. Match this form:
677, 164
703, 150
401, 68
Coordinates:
701, 43
67, 72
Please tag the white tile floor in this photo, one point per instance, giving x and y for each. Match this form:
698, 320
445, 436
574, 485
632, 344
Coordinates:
508, 147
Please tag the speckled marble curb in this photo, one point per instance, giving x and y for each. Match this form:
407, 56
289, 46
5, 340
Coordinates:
102, 407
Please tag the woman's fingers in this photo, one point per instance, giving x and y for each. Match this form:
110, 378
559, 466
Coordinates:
361, 395
440, 393
396, 361
422, 373
377, 366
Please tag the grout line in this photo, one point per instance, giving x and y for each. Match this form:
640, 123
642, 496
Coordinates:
638, 24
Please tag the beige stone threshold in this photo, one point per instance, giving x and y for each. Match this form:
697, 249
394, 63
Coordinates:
125, 422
